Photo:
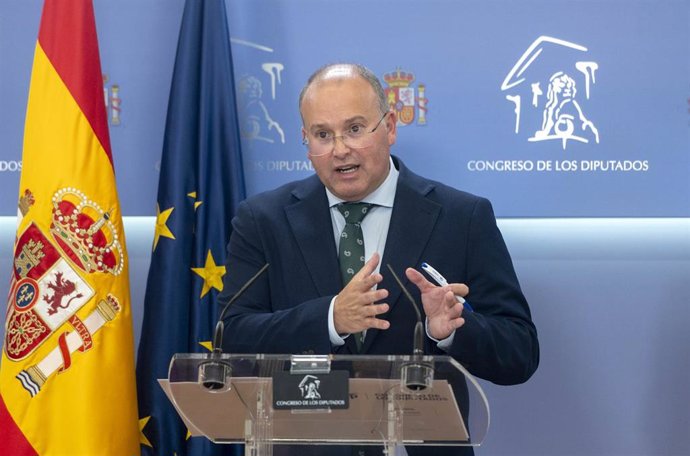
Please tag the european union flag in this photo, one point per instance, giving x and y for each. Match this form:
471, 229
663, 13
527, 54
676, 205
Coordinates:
201, 184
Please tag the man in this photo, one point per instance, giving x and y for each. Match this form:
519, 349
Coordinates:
306, 304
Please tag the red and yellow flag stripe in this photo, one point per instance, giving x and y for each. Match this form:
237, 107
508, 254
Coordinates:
67, 383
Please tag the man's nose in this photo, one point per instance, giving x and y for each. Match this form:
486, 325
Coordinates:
339, 146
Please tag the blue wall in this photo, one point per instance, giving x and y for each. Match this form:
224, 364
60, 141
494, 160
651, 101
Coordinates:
603, 255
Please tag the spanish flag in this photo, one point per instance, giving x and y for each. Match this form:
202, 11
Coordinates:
67, 384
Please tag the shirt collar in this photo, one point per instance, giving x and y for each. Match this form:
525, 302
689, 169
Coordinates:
384, 195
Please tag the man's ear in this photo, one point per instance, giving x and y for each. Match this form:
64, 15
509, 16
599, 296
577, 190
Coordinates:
391, 127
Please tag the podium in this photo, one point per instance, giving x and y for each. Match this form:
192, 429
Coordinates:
266, 400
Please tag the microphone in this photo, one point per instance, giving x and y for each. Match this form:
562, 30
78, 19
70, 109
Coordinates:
215, 373
418, 374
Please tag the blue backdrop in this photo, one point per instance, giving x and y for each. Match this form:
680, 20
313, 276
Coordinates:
549, 108
571, 116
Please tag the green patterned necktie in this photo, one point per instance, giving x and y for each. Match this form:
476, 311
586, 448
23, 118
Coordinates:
351, 249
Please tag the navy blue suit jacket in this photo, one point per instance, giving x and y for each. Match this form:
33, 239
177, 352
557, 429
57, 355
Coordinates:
286, 311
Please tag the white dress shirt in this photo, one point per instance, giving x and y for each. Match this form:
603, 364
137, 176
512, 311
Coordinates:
375, 230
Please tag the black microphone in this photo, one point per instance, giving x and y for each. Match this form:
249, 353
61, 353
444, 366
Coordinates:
416, 375
213, 374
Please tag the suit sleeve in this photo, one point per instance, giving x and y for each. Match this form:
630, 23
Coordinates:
498, 342
263, 320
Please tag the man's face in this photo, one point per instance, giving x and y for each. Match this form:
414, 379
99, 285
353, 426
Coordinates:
336, 105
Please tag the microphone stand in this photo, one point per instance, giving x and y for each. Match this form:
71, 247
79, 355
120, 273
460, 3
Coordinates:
418, 374
215, 374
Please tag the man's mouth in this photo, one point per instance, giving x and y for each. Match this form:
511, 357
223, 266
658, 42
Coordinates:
347, 169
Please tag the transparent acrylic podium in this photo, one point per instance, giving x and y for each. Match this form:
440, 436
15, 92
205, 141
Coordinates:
388, 401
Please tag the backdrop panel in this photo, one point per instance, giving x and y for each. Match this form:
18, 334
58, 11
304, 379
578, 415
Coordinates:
554, 108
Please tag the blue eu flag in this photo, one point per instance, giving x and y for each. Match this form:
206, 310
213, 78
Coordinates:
201, 184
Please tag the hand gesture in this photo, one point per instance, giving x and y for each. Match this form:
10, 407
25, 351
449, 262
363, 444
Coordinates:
440, 306
354, 309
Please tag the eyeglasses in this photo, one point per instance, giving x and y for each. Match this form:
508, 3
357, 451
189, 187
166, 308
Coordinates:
355, 137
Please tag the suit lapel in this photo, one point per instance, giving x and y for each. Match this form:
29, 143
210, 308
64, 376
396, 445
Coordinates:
310, 222
412, 222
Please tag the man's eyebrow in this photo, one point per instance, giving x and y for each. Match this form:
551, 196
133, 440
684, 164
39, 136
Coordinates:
317, 127
357, 118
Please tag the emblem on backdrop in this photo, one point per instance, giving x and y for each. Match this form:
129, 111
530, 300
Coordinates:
409, 102
550, 87
256, 95
113, 102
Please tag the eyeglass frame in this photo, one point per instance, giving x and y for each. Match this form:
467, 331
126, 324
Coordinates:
305, 140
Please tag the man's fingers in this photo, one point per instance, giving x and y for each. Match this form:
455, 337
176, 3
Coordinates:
375, 309
450, 299
370, 281
366, 277
457, 323
374, 296
460, 289
418, 279
369, 267
456, 309
377, 323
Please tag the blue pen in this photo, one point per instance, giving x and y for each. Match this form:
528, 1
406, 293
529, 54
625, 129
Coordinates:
439, 279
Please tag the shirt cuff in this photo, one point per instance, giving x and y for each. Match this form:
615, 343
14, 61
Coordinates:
336, 339
442, 344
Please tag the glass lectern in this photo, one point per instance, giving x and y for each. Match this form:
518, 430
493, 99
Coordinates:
266, 400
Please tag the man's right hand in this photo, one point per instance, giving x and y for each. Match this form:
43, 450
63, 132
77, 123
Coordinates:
354, 309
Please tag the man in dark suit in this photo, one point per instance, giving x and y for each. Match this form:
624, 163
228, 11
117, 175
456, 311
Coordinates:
305, 304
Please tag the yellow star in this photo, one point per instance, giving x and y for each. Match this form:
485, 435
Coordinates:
196, 203
161, 227
142, 438
207, 345
212, 275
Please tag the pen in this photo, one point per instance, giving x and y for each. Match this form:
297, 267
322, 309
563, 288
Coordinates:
439, 279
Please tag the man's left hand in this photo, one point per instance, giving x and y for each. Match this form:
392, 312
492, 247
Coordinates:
442, 310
